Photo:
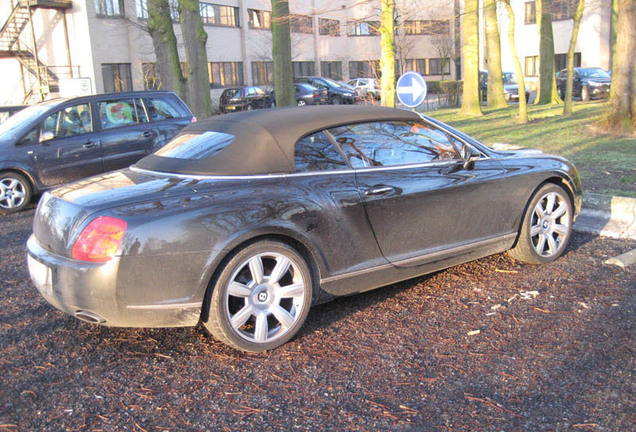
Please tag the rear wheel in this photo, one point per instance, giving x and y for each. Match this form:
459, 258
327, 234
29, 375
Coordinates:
546, 226
261, 298
336, 100
15, 192
302, 102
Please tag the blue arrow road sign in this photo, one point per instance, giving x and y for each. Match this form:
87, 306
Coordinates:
411, 89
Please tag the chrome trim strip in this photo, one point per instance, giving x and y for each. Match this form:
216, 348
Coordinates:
426, 258
167, 306
298, 174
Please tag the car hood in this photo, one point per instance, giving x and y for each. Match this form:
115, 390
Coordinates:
599, 80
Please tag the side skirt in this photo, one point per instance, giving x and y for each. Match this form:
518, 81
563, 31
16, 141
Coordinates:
368, 279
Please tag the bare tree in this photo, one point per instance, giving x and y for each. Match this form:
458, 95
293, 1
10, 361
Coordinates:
523, 109
387, 58
281, 53
622, 114
496, 97
470, 98
567, 108
547, 93
444, 45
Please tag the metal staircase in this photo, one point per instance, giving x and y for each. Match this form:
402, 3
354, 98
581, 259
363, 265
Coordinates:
12, 45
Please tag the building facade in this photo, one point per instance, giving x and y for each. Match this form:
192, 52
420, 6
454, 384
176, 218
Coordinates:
106, 43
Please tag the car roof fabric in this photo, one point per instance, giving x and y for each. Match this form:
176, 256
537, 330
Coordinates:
265, 139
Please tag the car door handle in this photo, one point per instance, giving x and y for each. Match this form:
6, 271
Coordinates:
379, 190
148, 134
90, 145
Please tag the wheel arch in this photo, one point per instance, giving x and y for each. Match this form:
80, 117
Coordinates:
301, 244
24, 173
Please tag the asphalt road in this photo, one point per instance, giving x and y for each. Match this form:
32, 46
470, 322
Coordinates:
491, 345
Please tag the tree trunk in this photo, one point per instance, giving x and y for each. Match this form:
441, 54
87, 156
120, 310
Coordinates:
194, 40
523, 109
622, 117
471, 104
164, 41
281, 54
387, 57
567, 108
547, 91
496, 97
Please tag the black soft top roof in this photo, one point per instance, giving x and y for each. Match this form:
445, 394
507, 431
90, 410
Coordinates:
266, 139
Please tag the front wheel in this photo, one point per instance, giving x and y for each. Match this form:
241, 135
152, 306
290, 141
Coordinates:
302, 102
15, 192
546, 226
261, 298
585, 94
336, 100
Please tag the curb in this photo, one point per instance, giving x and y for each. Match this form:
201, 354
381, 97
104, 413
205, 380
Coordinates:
608, 216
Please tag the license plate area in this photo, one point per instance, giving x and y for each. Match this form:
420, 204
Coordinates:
41, 275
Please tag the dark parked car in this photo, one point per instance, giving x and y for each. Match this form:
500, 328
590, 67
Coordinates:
244, 99
244, 221
587, 83
511, 86
305, 94
63, 140
337, 93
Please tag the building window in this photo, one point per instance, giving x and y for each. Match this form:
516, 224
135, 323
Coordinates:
212, 14
438, 66
225, 74
531, 12
301, 24
562, 9
427, 27
117, 77
259, 19
364, 69
363, 28
109, 8
142, 9
263, 72
329, 27
416, 65
303, 68
561, 61
532, 66
332, 70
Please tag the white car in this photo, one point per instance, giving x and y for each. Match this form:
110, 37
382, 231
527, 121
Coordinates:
366, 86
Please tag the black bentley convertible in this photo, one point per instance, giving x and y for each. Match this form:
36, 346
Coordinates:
244, 221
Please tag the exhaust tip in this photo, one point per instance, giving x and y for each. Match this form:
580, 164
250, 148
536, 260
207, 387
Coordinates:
89, 317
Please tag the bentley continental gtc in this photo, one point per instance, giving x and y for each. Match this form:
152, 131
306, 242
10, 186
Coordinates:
244, 221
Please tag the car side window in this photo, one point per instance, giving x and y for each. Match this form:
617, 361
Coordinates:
119, 112
315, 152
393, 143
160, 109
73, 120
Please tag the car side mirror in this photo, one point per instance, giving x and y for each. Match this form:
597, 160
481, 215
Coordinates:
470, 162
46, 136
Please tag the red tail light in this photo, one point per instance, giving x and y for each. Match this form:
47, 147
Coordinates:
100, 240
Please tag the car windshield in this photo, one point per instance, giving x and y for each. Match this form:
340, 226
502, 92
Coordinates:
331, 83
19, 118
509, 78
593, 73
196, 145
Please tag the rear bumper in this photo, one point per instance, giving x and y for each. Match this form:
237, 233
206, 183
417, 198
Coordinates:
92, 292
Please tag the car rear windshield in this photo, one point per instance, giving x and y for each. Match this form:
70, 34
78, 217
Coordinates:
196, 145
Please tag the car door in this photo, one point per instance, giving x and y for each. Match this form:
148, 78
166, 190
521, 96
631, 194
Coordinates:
167, 116
69, 149
126, 135
419, 197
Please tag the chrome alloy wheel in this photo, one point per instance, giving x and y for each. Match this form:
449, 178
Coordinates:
265, 297
13, 193
550, 224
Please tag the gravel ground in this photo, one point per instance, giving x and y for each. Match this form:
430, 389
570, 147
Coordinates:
490, 345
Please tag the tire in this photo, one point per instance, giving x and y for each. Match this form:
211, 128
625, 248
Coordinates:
15, 192
336, 100
302, 102
251, 313
546, 227
249, 108
272, 104
585, 94
561, 93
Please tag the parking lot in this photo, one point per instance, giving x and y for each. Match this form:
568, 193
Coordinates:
490, 345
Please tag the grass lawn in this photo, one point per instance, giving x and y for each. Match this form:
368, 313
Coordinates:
607, 163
